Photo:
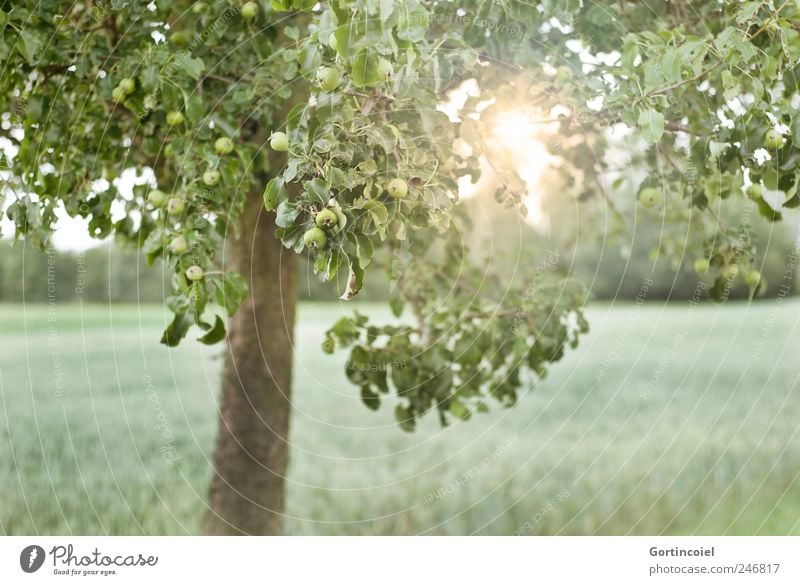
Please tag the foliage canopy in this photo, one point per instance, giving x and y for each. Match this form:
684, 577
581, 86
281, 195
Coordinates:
336, 106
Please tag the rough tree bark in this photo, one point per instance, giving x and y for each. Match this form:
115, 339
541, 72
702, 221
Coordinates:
247, 486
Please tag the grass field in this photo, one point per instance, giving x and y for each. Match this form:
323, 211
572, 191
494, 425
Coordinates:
670, 421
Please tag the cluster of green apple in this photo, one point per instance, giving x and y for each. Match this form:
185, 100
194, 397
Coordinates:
726, 263
123, 89
222, 146
248, 11
329, 77
332, 220
329, 220
752, 277
174, 206
178, 246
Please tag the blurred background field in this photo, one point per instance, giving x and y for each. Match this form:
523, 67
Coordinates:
667, 419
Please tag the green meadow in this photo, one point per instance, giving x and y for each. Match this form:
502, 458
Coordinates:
667, 419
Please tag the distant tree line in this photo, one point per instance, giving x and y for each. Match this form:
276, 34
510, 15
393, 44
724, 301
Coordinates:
610, 266
111, 273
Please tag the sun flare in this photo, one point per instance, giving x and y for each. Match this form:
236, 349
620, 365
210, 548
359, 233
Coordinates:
519, 137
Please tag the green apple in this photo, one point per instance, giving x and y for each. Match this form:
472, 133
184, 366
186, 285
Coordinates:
127, 85
649, 197
328, 78
752, 278
211, 177
198, 7
195, 273
169, 151
249, 10
174, 118
179, 38
223, 145
156, 198
701, 265
279, 142
397, 188
341, 218
178, 245
773, 139
326, 219
315, 238
118, 95
175, 206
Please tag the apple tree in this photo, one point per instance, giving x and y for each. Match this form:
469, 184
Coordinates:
266, 130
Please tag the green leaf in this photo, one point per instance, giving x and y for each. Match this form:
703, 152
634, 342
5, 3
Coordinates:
274, 194
192, 66
321, 261
383, 136
458, 409
151, 78
30, 46
176, 330
194, 108
345, 329
671, 65
370, 398
651, 123
747, 11
318, 190
405, 418
230, 291
397, 304
364, 249
766, 210
718, 291
309, 59
792, 202
295, 116
368, 167
280, 5
327, 262
215, 334
335, 177
355, 280
153, 245
387, 7
365, 69
286, 215
731, 85
342, 35
413, 21
377, 217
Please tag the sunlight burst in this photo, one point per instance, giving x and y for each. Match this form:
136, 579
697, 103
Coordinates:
519, 136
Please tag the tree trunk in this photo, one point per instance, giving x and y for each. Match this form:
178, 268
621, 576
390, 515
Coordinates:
247, 487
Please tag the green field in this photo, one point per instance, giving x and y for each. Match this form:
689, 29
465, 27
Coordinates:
667, 421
